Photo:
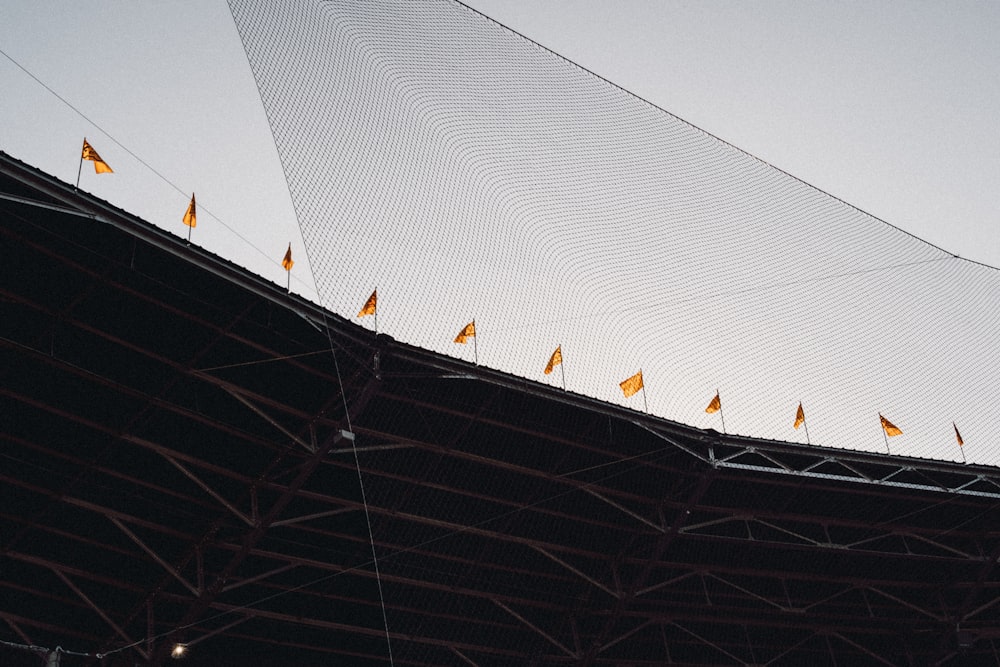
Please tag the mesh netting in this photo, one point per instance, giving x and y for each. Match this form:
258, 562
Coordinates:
468, 173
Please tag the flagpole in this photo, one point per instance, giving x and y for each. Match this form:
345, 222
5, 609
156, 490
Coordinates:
805, 423
562, 369
961, 444
645, 404
885, 436
79, 170
376, 309
721, 415
475, 341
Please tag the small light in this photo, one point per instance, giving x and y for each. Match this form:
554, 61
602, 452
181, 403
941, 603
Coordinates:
178, 651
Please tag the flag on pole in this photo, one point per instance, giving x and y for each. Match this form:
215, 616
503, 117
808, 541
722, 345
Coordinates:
715, 405
100, 166
467, 332
958, 436
800, 417
554, 360
191, 216
370, 305
890, 429
631, 385
286, 261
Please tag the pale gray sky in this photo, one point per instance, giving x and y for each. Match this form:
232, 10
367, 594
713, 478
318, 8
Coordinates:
889, 106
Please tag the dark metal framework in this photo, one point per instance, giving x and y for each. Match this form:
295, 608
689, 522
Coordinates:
191, 454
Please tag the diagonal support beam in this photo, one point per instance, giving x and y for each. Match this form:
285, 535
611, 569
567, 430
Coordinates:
861, 648
464, 657
622, 508
107, 619
259, 577
709, 643
790, 649
534, 627
206, 488
310, 517
20, 633
623, 637
155, 556
980, 608
910, 605
232, 391
664, 584
577, 572
748, 592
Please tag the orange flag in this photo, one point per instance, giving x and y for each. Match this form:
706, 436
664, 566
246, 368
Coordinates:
100, 166
370, 305
715, 405
468, 331
554, 360
286, 261
890, 428
958, 436
800, 417
631, 385
191, 217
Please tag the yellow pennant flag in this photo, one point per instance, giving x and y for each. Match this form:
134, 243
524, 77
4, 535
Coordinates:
958, 436
715, 405
370, 305
191, 216
554, 360
800, 417
286, 261
100, 166
467, 332
889, 428
631, 385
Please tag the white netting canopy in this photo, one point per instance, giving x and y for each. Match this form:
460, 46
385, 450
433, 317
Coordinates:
469, 173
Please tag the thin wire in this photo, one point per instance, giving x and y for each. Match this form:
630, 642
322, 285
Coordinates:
361, 485
41, 649
261, 361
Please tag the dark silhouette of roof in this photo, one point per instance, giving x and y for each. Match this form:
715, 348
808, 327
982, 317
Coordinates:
190, 454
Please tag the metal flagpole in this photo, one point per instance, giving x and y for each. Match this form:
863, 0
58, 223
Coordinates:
721, 416
562, 367
885, 436
961, 443
475, 341
79, 169
645, 404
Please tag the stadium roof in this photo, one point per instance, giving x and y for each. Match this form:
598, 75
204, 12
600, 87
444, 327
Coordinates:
193, 455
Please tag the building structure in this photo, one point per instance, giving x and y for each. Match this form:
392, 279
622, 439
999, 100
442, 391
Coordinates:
194, 456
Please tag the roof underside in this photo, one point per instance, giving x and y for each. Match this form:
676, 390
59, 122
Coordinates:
190, 454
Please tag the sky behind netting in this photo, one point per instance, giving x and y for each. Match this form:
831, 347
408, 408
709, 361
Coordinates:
887, 108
